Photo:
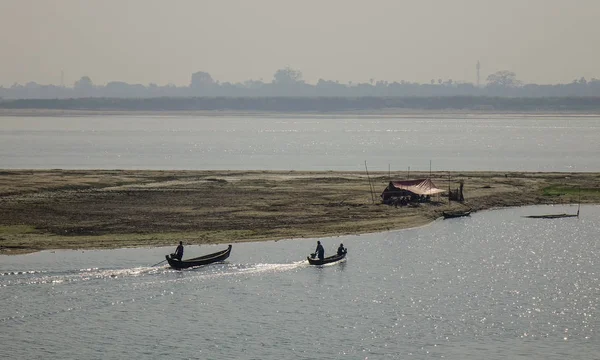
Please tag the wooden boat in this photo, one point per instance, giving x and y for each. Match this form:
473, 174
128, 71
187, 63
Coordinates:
198, 261
551, 216
327, 260
455, 214
558, 216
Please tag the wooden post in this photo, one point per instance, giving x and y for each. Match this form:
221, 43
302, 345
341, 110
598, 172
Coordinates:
430, 169
449, 189
579, 205
370, 186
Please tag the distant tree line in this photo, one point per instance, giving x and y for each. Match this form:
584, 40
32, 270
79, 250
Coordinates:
288, 82
314, 104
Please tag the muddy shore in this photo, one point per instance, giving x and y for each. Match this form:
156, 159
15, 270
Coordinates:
95, 209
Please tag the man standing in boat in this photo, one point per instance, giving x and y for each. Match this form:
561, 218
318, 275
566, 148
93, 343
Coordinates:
178, 252
320, 251
341, 250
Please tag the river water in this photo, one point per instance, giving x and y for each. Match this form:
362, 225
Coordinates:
495, 285
303, 142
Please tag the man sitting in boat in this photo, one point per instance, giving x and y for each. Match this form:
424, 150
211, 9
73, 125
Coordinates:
178, 254
342, 250
320, 251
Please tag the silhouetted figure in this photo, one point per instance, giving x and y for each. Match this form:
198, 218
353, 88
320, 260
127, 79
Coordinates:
342, 250
178, 254
320, 251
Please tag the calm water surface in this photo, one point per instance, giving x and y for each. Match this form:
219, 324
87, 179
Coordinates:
286, 142
492, 286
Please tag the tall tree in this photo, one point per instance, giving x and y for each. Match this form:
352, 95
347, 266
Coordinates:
503, 78
201, 79
85, 83
287, 76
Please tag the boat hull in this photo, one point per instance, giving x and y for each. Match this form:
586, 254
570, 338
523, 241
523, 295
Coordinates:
450, 215
327, 260
552, 216
199, 261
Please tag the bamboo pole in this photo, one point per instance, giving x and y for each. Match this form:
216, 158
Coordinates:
370, 185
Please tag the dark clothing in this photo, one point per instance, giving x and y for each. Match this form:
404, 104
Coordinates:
178, 252
341, 250
320, 252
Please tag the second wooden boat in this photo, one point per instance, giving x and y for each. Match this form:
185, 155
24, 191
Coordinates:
327, 260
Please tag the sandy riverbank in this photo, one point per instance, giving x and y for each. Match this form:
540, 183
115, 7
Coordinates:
89, 209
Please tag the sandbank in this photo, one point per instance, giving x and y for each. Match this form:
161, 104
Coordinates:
106, 209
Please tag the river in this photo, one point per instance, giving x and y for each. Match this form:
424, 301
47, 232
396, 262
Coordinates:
495, 285
478, 142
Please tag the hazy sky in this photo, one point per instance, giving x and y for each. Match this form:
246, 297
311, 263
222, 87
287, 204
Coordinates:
143, 41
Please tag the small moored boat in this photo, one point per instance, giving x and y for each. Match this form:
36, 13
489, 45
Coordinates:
455, 214
198, 261
327, 260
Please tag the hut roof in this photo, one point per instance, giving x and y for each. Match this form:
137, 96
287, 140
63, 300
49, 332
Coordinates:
417, 186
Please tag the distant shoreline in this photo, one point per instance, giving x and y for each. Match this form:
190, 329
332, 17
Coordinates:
310, 105
411, 113
107, 209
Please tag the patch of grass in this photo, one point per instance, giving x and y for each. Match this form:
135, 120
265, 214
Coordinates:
563, 190
17, 229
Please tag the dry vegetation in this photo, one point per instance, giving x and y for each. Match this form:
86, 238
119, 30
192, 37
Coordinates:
56, 209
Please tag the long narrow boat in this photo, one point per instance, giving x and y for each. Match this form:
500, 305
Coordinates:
327, 260
455, 214
552, 216
198, 261
558, 216
555, 216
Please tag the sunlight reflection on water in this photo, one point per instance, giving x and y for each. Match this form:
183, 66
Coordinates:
495, 285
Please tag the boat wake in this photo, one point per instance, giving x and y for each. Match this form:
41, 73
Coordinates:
119, 287
228, 269
9, 273
40, 277
36, 277
262, 268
